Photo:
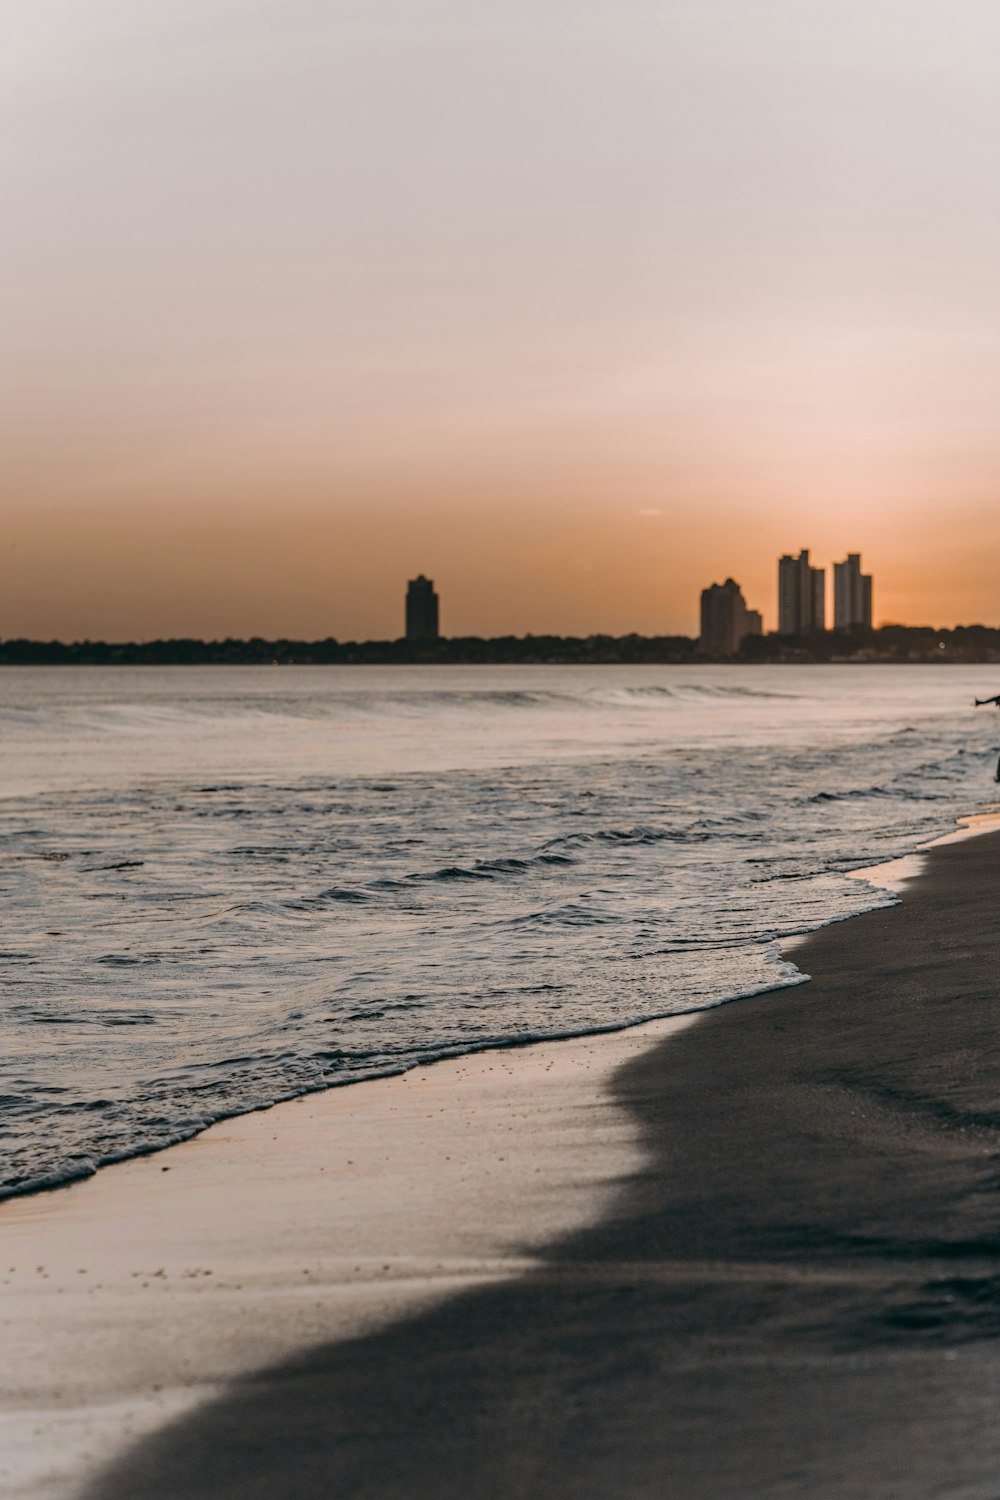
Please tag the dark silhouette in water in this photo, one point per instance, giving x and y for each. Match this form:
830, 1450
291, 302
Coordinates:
981, 703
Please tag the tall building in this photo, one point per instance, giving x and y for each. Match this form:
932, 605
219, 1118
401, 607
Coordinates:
801, 595
725, 619
852, 594
421, 610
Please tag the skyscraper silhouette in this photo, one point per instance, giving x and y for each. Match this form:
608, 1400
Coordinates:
421, 610
725, 619
852, 594
801, 595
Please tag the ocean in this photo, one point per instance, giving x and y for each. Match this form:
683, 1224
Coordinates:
222, 887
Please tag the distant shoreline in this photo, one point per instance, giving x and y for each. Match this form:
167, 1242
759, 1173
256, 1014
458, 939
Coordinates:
893, 644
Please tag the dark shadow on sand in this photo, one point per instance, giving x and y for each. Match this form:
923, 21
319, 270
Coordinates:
798, 1295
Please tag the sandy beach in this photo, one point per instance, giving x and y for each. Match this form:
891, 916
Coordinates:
751, 1255
137, 1295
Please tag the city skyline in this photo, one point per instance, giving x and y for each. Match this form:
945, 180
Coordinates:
726, 619
725, 616
194, 594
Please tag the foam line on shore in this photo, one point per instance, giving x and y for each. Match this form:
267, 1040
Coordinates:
894, 874
131, 1297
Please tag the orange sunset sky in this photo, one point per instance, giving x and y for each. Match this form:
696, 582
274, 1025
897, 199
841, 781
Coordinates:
575, 307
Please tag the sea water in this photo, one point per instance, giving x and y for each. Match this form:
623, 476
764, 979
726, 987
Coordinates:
221, 887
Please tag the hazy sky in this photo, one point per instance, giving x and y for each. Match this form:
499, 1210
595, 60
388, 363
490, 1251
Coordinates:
574, 305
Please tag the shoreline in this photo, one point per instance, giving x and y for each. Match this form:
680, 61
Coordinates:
56, 1184
326, 1216
890, 876
183, 1339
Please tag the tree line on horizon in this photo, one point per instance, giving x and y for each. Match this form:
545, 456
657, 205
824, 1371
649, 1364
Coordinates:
899, 643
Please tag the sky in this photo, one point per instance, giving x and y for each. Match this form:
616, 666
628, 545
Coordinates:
575, 306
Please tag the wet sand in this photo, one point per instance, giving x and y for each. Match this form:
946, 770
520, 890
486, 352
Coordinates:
798, 1294
140, 1294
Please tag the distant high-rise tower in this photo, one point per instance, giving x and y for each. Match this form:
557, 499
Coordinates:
725, 619
421, 610
801, 595
852, 594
